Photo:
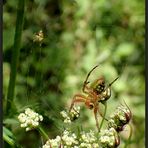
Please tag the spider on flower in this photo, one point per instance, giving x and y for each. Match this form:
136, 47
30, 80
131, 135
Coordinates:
97, 92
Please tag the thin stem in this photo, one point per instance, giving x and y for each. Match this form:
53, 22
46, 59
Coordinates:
42, 132
129, 138
105, 104
15, 54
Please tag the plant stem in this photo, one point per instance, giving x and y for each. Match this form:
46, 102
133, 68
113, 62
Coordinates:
129, 138
15, 54
105, 104
43, 133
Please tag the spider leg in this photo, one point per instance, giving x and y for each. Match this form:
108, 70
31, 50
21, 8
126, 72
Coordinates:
85, 89
103, 116
77, 99
113, 82
109, 85
96, 118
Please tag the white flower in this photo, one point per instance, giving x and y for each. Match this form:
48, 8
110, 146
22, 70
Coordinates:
40, 117
121, 117
109, 138
55, 143
72, 115
95, 145
88, 140
88, 137
85, 145
69, 138
65, 116
76, 147
29, 119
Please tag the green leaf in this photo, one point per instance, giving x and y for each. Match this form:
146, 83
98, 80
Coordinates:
8, 136
124, 50
10, 121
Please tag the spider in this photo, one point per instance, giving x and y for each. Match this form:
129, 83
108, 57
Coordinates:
96, 93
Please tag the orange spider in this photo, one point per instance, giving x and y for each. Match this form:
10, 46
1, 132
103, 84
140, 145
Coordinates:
97, 93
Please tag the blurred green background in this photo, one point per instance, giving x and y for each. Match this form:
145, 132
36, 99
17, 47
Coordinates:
78, 34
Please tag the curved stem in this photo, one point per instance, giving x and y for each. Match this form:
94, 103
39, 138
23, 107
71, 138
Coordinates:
105, 104
42, 132
129, 138
15, 54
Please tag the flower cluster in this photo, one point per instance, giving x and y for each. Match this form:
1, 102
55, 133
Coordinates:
67, 140
71, 140
88, 140
54, 143
66, 117
109, 138
72, 115
121, 117
29, 119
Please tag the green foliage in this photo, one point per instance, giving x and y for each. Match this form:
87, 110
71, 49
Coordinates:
8, 136
78, 35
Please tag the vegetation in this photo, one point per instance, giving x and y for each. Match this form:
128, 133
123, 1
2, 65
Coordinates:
77, 35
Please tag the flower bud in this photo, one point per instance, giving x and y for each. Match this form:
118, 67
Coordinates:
120, 118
